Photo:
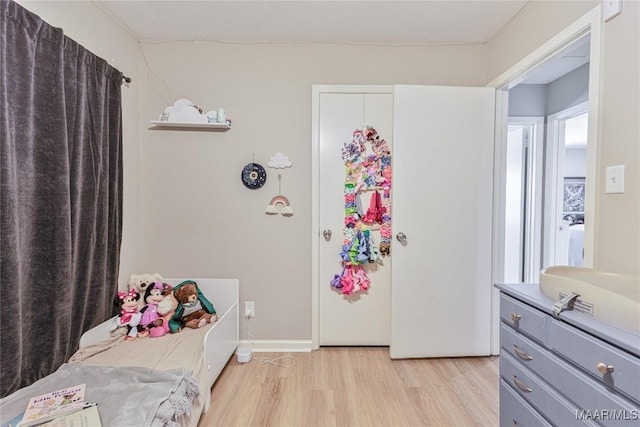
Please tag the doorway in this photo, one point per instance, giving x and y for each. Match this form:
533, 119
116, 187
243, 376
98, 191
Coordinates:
545, 178
566, 186
585, 30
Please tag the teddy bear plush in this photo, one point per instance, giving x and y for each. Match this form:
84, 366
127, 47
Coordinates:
194, 310
139, 282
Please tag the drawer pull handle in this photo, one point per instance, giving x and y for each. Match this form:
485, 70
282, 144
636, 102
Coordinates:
522, 354
522, 386
515, 317
604, 368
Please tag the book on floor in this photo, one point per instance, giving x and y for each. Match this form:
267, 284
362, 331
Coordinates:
48, 406
88, 417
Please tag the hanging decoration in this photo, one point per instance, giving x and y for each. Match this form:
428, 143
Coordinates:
253, 176
280, 161
367, 172
279, 204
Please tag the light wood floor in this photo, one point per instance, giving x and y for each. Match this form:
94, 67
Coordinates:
356, 386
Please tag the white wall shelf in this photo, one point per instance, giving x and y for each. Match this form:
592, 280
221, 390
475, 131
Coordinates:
219, 127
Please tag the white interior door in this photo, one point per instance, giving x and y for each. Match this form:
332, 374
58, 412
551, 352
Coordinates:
442, 202
517, 136
566, 171
363, 318
523, 200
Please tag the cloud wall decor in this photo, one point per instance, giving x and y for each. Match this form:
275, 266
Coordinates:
279, 161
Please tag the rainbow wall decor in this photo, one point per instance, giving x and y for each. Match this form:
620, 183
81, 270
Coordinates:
274, 208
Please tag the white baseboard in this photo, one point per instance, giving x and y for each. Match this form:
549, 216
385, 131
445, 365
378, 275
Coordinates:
272, 346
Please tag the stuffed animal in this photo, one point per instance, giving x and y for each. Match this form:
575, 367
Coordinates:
129, 315
166, 309
139, 282
194, 309
152, 297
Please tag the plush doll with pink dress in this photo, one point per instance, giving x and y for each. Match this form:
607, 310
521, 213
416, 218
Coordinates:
150, 318
129, 316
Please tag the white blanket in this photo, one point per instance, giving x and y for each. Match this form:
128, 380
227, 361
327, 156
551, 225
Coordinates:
126, 396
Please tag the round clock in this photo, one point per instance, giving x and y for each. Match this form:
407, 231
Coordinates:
253, 176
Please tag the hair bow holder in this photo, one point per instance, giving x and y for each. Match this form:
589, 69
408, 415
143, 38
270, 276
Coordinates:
279, 204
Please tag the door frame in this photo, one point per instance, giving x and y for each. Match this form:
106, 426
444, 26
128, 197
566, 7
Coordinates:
553, 183
316, 91
589, 24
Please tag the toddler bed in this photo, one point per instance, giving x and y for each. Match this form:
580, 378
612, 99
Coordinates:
148, 381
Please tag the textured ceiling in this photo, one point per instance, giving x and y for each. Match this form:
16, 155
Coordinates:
394, 22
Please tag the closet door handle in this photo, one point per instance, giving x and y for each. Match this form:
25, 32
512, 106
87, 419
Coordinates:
522, 386
402, 238
522, 354
327, 235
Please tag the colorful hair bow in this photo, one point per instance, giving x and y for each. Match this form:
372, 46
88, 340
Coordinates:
364, 171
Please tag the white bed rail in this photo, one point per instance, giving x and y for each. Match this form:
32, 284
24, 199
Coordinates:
219, 342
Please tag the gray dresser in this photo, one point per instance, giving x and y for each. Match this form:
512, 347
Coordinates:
564, 371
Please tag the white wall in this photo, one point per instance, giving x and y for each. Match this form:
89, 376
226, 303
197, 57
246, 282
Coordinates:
198, 218
568, 90
618, 214
89, 26
619, 134
575, 162
528, 100
186, 212
617, 229
540, 100
536, 23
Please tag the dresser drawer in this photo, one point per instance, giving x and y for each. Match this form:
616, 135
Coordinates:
523, 318
515, 411
579, 388
527, 352
540, 395
590, 353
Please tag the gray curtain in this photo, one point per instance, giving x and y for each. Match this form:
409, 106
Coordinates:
61, 194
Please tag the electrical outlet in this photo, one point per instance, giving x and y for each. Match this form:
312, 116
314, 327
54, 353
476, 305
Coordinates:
249, 309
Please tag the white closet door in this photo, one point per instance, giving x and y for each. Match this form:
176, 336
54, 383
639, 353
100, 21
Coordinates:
442, 202
364, 318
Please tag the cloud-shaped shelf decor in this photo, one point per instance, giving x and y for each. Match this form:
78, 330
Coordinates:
184, 111
279, 161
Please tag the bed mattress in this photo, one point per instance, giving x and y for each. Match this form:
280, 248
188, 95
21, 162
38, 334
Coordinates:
182, 349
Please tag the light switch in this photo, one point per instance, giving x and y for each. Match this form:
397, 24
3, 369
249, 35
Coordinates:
615, 179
